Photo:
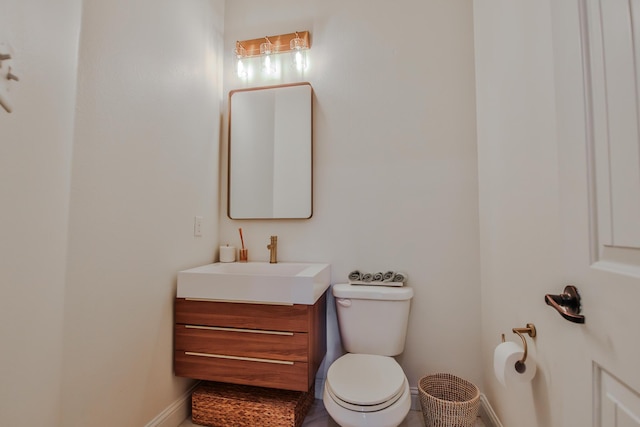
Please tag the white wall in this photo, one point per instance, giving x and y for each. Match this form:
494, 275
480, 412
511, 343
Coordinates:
144, 164
90, 249
519, 196
395, 184
35, 157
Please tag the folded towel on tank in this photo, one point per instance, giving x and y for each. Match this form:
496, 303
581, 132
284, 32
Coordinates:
400, 277
366, 277
388, 278
355, 275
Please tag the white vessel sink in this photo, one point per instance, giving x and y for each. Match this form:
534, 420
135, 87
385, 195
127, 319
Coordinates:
281, 283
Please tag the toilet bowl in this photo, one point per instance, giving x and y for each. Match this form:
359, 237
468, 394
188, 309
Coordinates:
367, 387
365, 390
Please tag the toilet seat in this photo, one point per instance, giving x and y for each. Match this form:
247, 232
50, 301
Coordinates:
365, 382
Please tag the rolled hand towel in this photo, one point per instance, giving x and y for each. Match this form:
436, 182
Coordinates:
400, 277
367, 277
378, 277
355, 276
388, 276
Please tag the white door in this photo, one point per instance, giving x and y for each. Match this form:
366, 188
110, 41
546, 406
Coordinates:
597, 62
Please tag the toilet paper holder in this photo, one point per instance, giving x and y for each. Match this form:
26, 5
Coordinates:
530, 330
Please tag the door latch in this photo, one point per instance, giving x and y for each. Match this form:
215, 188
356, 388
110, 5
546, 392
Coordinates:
567, 304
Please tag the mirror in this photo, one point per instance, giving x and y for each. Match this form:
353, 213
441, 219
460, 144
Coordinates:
270, 161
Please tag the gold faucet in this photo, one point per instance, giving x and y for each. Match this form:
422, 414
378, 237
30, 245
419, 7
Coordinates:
273, 250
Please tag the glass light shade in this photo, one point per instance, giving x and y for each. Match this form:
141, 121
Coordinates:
298, 48
268, 64
299, 59
298, 44
241, 69
267, 50
241, 53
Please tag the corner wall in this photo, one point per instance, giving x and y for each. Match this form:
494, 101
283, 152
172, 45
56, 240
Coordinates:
35, 157
519, 198
395, 174
145, 162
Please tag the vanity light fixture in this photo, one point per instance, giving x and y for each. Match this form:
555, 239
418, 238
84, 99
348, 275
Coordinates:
297, 43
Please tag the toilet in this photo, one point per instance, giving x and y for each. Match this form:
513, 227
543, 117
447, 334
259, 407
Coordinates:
367, 387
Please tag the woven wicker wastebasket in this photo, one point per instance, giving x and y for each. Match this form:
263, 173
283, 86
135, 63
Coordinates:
448, 401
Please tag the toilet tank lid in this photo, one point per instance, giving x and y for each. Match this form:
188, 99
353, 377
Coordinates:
389, 293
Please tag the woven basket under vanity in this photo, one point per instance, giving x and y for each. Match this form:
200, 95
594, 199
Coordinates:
223, 405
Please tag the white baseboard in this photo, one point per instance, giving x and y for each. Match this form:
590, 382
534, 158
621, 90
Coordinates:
174, 414
415, 400
487, 413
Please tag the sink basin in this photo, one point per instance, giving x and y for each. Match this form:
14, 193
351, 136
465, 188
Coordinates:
281, 283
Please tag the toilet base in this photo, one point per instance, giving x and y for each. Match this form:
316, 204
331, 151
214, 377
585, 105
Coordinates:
388, 417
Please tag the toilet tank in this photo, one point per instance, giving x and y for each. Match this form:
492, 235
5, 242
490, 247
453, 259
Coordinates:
373, 319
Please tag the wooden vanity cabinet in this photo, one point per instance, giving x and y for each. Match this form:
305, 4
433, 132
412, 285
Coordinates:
278, 346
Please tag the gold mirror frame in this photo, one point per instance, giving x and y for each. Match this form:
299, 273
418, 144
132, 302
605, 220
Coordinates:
270, 152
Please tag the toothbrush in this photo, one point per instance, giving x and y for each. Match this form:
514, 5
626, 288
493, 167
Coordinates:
241, 238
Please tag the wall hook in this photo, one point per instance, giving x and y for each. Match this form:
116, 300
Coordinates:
11, 76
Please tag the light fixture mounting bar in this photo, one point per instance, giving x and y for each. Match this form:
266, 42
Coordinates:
281, 43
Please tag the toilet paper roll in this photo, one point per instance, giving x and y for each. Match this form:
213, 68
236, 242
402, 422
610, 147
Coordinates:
227, 253
505, 357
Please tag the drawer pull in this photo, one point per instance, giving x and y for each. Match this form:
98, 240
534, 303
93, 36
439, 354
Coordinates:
246, 359
239, 301
250, 331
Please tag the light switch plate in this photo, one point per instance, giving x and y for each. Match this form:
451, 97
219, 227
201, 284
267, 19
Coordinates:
197, 226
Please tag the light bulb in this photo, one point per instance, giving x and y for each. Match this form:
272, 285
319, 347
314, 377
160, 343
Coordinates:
299, 60
298, 48
268, 65
242, 70
240, 52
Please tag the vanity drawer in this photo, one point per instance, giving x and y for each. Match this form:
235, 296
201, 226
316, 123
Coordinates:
291, 346
296, 318
285, 375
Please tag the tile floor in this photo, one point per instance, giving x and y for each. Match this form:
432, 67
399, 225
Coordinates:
318, 417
